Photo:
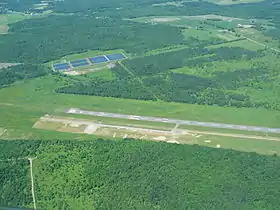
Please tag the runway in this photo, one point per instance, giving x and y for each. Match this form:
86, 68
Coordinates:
175, 121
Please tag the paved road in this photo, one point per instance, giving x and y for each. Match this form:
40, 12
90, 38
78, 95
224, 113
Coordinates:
174, 121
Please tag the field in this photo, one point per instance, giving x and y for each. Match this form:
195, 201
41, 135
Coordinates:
44, 101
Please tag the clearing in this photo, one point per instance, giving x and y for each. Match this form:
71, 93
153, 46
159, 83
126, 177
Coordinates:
131, 130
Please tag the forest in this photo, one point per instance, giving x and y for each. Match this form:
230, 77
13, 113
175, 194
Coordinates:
45, 39
90, 25
152, 78
21, 72
131, 174
14, 183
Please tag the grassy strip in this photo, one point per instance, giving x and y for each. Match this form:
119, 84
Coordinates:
231, 131
38, 94
247, 145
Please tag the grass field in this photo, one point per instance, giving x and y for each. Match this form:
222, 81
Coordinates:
24, 103
247, 145
240, 43
38, 94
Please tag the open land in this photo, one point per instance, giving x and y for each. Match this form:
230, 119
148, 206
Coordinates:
129, 129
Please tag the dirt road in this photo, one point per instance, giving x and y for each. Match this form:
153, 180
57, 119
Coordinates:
32, 182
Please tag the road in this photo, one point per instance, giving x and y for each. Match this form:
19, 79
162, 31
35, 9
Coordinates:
174, 121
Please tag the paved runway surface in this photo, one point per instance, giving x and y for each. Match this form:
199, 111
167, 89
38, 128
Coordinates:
174, 121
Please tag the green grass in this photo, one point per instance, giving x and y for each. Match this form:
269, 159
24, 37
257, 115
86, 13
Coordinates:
24, 103
211, 68
228, 131
200, 34
38, 94
247, 145
105, 74
240, 43
259, 37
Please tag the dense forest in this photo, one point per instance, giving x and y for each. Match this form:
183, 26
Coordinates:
90, 25
15, 183
132, 174
21, 72
45, 39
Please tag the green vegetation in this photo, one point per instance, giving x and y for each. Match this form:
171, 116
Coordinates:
21, 72
15, 182
45, 100
144, 175
193, 60
150, 78
247, 145
52, 37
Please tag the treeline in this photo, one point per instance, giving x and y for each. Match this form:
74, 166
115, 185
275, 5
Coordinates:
131, 174
44, 39
20, 72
